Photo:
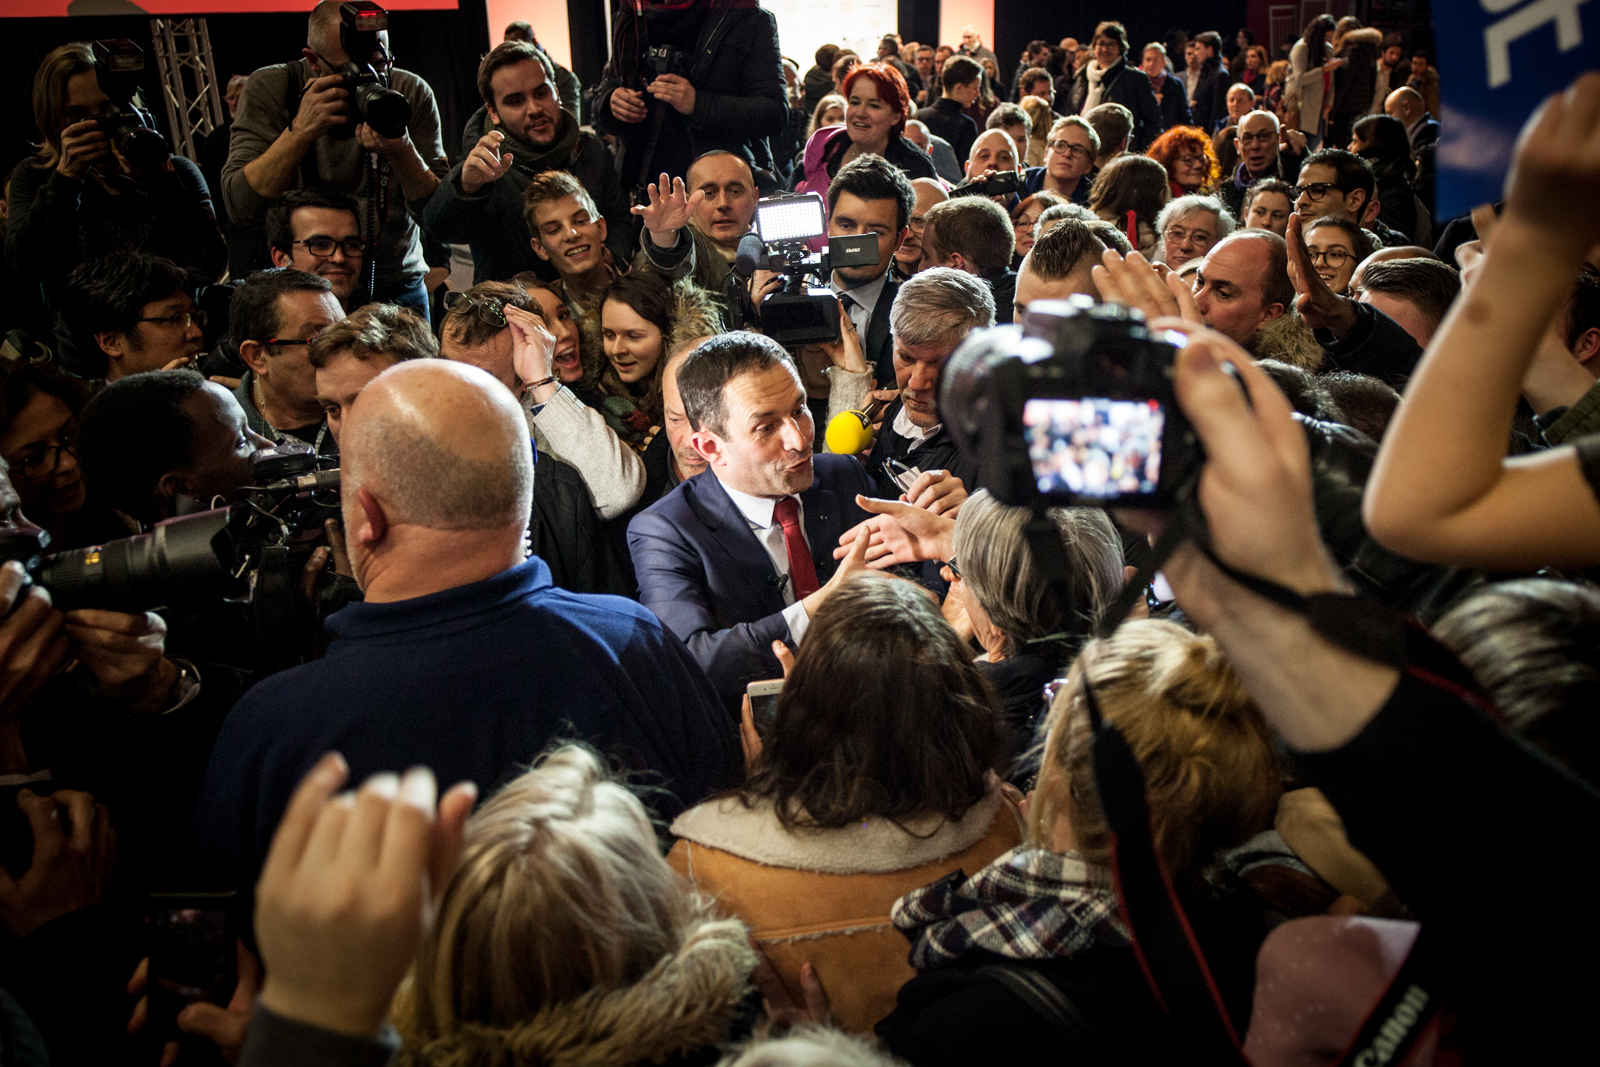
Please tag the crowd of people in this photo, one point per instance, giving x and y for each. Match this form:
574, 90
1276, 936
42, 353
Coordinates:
586, 523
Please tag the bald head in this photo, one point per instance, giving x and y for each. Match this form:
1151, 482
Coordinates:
323, 27
440, 445
1405, 104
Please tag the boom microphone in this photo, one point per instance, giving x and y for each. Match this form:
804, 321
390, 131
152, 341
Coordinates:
748, 259
850, 432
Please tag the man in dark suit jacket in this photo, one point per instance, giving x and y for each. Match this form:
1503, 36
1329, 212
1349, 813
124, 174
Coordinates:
1211, 91
741, 555
870, 195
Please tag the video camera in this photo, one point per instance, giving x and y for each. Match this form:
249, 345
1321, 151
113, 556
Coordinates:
193, 559
371, 100
1073, 407
804, 311
118, 62
1001, 183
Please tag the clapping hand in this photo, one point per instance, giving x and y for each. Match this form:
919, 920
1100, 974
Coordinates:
668, 210
348, 890
1131, 282
485, 163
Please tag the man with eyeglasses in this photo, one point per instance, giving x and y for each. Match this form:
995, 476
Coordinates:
316, 231
272, 319
135, 314
908, 256
287, 135
1071, 148
1267, 149
1339, 183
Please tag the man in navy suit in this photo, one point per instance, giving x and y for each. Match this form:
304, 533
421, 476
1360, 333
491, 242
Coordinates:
741, 555
1422, 128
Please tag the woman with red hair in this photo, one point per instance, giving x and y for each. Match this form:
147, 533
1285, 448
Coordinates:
877, 104
1190, 160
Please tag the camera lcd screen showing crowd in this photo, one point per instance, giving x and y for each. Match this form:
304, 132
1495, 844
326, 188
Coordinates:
733, 549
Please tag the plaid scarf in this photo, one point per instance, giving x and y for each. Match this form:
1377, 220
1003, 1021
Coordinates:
1027, 904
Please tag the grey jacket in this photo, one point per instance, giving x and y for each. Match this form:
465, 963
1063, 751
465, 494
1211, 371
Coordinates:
266, 110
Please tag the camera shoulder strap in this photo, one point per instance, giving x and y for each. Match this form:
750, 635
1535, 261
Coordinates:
294, 87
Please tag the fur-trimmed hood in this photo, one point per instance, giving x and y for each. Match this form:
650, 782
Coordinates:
1289, 340
871, 846
1366, 35
686, 1002
694, 314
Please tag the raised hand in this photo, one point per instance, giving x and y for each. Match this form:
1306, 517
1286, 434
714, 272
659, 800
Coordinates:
846, 353
348, 889
668, 210
532, 347
1131, 282
485, 163
1556, 168
1320, 307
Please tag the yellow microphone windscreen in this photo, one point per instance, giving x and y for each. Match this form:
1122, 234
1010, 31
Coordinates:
849, 433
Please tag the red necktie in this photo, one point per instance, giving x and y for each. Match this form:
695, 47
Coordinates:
801, 568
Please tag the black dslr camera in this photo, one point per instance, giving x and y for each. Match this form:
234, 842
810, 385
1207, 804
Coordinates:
371, 99
667, 59
194, 559
118, 63
1001, 183
1073, 407
804, 311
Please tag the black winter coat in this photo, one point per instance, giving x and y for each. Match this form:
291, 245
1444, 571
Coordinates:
1128, 86
1211, 95
740, 98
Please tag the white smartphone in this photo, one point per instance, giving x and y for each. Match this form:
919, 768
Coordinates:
764, 702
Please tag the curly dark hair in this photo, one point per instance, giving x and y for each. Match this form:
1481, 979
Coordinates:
884, 715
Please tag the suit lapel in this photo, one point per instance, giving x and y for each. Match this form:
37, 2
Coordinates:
879, 348
823, 528
731, 534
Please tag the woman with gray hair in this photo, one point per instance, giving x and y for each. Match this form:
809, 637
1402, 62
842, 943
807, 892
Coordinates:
1029, 633
1189, 226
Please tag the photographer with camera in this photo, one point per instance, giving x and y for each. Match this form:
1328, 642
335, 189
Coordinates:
320, 121
102, 183
272, 318
686, 78
521, 131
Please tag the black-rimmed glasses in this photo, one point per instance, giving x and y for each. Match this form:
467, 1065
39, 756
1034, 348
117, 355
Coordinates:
41, 461
181, 320
324, 246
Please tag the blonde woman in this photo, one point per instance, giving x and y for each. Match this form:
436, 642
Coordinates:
1047, 910
564, 937
1039, 113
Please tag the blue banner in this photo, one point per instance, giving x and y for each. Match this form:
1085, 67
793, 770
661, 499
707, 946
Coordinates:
1497, 60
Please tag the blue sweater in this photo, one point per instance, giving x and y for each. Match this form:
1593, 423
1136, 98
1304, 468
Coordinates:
473, 682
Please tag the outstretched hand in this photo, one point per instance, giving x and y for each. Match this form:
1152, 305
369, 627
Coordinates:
668, 210
1320, 307
486, 163
897, 533
1131, 282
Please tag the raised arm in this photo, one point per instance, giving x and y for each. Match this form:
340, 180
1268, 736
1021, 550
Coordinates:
1442, 489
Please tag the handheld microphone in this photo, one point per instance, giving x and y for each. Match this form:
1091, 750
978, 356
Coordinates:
850, 432
748, 258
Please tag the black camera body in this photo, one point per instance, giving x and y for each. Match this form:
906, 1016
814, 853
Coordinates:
667, 59
805, 310
193, 559
118, 63
371, 100
1073, 407
1001, 183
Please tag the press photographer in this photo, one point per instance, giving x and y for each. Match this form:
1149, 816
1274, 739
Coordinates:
103, 182
321, 119
685, 78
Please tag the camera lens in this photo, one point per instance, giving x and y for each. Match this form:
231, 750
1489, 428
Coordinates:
180, 561
386, 111
143, 147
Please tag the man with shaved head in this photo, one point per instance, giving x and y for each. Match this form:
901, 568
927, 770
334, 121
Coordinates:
463, 657
1406, 104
